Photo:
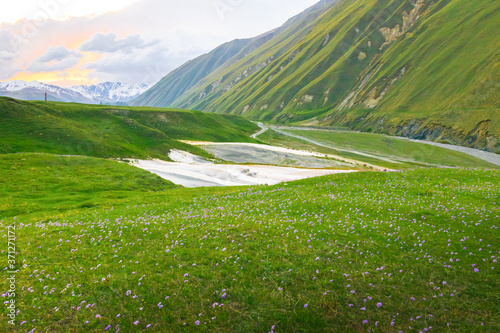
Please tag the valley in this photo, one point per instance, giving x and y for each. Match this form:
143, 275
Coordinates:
170, 220
339, 140
408, 68
339, 172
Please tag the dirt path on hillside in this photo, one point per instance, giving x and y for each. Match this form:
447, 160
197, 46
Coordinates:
263, 129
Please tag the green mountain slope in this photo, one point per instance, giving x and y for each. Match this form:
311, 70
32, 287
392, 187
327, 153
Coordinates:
428, 70
103, 131
182, 79
179, 81
441, 80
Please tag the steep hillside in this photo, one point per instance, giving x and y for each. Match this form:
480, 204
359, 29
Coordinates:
78, 129
427, 70
166, 92
440, 81
177, 82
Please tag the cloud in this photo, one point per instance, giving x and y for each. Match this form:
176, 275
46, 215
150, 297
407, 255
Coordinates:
144, 31
140, 66
9, 53
132, 58
6, 56
8, 66
59, 53
8, 42
110, 44
60, 9
55, 59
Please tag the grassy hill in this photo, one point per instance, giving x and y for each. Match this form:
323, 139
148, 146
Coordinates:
193, 125
418, 69
41, 183
103, 131
351, 253
39, 186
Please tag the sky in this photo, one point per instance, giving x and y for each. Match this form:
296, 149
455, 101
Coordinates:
73, 42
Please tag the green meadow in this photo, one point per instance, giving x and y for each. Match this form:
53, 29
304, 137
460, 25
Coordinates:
381, 252
101, 245
406, 241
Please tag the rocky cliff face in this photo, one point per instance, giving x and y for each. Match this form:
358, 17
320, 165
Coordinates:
409, 20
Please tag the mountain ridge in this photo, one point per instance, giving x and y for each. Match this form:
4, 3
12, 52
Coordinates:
168, 90
112, 92
107, 92
36, 90
426, 70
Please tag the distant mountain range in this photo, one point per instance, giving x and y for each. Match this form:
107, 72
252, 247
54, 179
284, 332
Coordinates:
107, 93
112, 92
415, 68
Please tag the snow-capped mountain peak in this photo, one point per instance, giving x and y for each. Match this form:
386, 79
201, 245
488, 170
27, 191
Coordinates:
112, 91
106, 93
19, 85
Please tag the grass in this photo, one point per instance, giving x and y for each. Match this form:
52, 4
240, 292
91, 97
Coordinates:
347, 253
38, 185
198, 126
33, 183
277, 139
408, 152
457, 74
384, 151
102, 131
449, 87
